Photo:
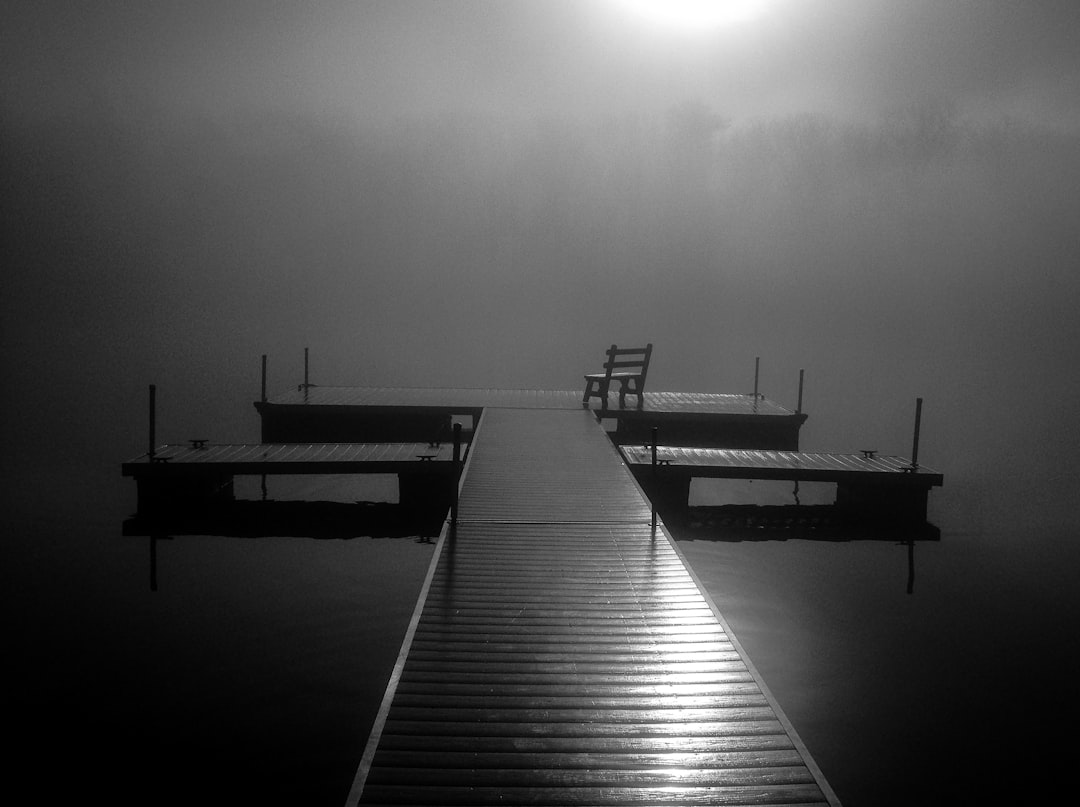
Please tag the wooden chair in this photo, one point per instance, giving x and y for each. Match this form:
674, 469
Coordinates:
628, 366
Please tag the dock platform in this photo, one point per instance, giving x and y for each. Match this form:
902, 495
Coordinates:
867, 483
363, 414
178, 474
562, 652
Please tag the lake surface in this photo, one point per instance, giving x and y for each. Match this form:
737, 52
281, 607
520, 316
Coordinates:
254, 670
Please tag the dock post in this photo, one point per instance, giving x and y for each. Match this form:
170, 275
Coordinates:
652, 499
798, 408
456, 476
915, 443
757, 369
263, 487
306, 384
153, 420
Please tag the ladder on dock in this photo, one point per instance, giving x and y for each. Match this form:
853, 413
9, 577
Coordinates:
562, 652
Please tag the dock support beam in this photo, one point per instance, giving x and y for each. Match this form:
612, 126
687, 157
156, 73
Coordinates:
655, 430
668, 488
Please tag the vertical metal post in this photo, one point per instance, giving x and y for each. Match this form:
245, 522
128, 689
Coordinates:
798, 409
153, 419
652, 499
456, 476
915, 443
306, 368
757, 369
264, 378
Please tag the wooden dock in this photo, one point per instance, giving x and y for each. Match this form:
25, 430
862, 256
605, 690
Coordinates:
180, 475
363, 414
562, 652
868, 483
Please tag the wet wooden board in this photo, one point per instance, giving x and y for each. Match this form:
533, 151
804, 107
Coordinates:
294, 458
562, 653
785, 465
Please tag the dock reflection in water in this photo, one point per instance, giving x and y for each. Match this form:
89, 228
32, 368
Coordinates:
321, 520
779, 513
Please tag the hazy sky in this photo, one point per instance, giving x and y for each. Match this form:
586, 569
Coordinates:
882, 192
376, 59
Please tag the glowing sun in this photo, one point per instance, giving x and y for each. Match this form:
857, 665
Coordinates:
694, 15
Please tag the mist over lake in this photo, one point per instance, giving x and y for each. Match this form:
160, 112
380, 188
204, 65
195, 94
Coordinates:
476, 194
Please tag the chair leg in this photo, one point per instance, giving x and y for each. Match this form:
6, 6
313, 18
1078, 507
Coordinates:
600, 392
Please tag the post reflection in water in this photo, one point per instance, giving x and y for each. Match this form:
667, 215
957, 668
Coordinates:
911, 566
153, 558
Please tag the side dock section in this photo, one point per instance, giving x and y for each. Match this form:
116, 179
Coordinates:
175, 477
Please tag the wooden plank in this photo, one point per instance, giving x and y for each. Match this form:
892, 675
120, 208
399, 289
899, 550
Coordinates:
469, 655
747, 722
539, 775
295, 458
603, 634
488, 675
696, 795
642, 695
754, 738
748, 708
782, 465
576, 664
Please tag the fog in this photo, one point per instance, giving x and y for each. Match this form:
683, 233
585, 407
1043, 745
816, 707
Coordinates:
489, 194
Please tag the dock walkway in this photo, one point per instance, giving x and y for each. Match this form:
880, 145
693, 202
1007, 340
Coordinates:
562, 652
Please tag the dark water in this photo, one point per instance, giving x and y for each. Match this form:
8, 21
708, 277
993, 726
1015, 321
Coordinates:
251, 675
952, 694
253, 672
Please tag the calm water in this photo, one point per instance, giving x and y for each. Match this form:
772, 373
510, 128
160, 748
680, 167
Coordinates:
253, 672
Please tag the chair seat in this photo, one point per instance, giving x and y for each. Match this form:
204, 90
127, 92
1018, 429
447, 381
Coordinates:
614, 376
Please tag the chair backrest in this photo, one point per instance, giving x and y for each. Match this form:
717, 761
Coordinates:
633, 360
